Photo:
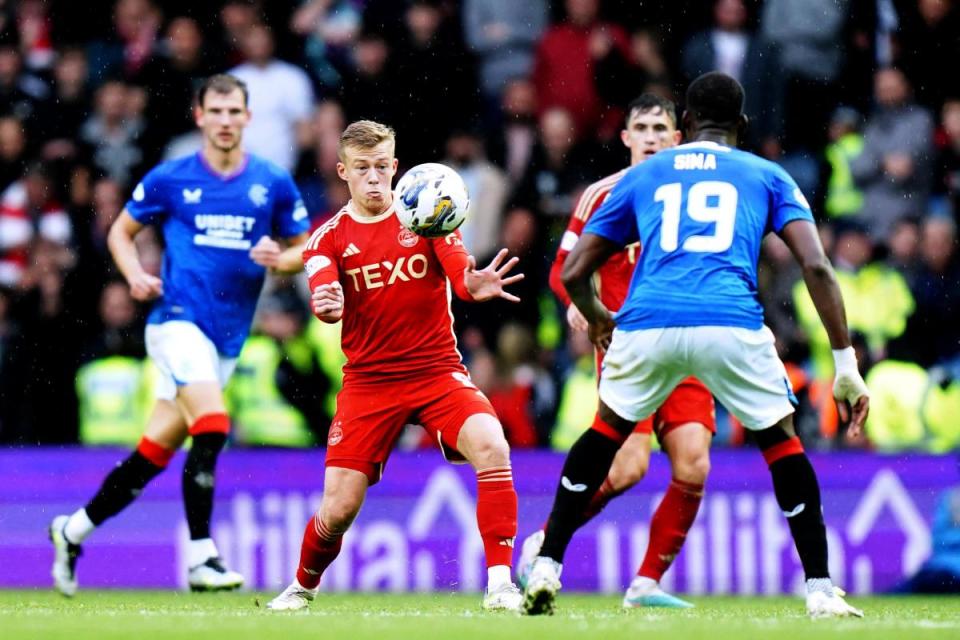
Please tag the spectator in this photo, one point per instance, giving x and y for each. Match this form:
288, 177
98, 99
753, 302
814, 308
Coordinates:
10, 376
29, 213
947, 181
172, 77
114, 134
519, 235
810, 37
281, 100
33, 23
20, 93
928, 33
330, 27
58, 120
237, 17
503, 35
895, 166
431, 62
488, 188
903, 246
511, 146
558, 168
729, 46
317, 166
523, 397
13, 146
370, 92
933, 334
136, 27
564, 67
841, 195
578, 396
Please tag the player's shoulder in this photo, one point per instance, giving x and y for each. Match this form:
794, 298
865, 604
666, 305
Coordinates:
176, 167
328, 230
595, 193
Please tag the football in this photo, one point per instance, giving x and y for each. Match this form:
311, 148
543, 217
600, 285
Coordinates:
432, 200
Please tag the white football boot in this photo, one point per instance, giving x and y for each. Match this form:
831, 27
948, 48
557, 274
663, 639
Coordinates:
65, 555
506, 597
542, 587
293, 598
213, 576
646, 592
528, 553
825, 605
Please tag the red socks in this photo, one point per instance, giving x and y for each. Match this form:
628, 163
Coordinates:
320, 547
599, 500
497, 514
669, 526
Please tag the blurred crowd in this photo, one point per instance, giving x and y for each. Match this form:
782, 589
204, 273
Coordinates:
857, 99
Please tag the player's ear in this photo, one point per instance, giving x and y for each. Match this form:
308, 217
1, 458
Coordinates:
677, 137
342, 170
686, 123
625, 138
197, 114
743, 124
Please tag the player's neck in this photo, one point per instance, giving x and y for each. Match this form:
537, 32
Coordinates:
222, 162
720, 136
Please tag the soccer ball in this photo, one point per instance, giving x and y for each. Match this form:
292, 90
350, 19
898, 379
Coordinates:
432, 200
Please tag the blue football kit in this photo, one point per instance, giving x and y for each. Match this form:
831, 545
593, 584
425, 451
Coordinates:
700, 212
209, 223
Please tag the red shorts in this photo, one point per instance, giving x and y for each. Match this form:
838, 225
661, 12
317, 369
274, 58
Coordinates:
372, 413
691, 401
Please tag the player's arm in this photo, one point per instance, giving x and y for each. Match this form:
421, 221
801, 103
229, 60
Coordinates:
323, 274
849, 389
470, 283
120, 240
588, 255
283, 258
574, 228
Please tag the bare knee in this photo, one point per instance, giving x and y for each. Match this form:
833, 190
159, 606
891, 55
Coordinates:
692, 467
631, 463
339, 511
482, 443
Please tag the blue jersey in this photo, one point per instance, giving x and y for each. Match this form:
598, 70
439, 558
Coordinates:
209, 224
700, 212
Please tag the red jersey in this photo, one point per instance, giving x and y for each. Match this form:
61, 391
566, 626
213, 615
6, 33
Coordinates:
396, 315
613, 278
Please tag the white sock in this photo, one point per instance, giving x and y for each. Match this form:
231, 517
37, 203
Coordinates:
644, 584
824, 585
78, 527
199, 551
498, 576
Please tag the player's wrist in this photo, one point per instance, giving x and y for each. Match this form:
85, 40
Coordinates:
845, 361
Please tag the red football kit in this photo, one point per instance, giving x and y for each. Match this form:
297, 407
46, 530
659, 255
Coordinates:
402, 360
691, 401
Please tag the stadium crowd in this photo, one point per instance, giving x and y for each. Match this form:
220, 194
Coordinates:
525, 100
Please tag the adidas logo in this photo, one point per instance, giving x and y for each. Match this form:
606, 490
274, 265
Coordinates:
352, 250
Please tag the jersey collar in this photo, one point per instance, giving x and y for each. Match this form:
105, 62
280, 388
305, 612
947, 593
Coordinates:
352, 212
226, 177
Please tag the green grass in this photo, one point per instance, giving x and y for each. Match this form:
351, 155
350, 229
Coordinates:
168, 615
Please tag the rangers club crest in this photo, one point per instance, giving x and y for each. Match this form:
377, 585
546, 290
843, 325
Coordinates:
407, 238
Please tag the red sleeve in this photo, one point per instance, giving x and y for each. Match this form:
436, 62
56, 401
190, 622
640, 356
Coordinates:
454, 258
567, 241
320, 259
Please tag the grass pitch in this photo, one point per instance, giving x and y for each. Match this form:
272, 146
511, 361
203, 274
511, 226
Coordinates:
237, 616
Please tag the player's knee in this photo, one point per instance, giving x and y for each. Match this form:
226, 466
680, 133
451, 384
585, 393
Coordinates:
623, 476
339, 512
692, 467
487, 448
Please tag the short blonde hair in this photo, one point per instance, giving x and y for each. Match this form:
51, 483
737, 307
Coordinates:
364, 134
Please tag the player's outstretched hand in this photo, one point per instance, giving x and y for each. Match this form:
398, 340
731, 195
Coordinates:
327, 302
853, 400
601, 331
266, 252
488, 283
575, 319
145, 287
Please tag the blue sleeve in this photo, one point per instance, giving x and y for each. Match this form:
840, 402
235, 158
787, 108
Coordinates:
148, 203
789, 204
289, 214
616, 219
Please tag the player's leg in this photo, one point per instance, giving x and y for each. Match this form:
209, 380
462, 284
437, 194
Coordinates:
638, 375
482, 443
164, 434
203, 408
629, 467
687, 446
685, 425
742, 369
369, 419
343, 493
